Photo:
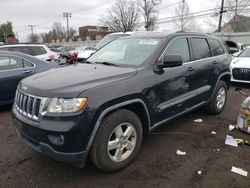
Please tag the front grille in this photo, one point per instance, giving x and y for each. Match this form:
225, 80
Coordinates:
27, 105
241, 74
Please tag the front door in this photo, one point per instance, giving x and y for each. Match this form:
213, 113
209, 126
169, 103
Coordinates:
176, 88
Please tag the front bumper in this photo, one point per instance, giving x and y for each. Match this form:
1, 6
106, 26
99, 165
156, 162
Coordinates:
73, 151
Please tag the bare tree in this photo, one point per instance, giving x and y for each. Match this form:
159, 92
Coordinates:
235, 8
58, 31
34, 38
123, 16
149, 11
185, 21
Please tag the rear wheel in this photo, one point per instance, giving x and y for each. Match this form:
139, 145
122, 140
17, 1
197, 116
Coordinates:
219, 98
117, 141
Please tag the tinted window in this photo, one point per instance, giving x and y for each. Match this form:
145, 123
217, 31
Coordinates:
179, 47
27, 64
4, 49
215, 47
37, 50
8, 63
200, 48
22, 49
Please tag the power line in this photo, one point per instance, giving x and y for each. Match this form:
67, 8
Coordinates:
169, 5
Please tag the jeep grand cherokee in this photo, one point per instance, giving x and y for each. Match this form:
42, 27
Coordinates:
133, 85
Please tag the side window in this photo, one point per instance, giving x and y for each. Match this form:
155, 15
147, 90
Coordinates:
37, 50
179, 47
4, 49
4, 63
22, 49
200, 48
27, 64
215, 47
8, 63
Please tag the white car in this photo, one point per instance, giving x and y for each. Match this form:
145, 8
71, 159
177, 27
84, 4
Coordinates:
240, 67
38, 50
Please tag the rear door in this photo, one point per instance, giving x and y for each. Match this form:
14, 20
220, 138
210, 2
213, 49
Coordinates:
205, 67
176, 86
12, 70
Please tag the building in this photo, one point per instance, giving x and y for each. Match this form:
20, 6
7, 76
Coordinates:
238, 23
93, 32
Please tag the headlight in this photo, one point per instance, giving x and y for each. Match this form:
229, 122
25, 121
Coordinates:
60, 105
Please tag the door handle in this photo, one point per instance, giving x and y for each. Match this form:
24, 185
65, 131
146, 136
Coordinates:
190, 69
215, 62
27, 71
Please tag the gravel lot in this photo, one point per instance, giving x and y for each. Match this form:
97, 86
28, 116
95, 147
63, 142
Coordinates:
157, 164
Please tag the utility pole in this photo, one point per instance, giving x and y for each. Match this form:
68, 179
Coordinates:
67, 15
32, 33
221, 13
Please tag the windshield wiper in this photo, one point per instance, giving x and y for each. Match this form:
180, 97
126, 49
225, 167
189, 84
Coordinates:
87, 62
107, 63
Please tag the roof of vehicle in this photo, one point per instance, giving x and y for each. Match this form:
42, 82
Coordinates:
15, 53
29, 58
13, 45
163, 34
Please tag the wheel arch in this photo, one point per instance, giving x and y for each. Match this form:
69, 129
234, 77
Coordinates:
226, 77
141, 111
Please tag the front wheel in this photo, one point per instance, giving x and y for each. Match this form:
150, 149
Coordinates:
117, 141
218, 101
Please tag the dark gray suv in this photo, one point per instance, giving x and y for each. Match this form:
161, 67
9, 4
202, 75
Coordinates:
132, 85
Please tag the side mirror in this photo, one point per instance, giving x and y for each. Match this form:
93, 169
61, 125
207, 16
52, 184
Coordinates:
170, 61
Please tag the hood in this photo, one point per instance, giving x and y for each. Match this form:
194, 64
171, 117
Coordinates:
72, 80
240, 62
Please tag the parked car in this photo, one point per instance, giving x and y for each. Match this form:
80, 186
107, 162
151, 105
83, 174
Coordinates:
38, 50
240, 67
66, 52
231, 46
73, 53
15, 66
130, 86
82, 56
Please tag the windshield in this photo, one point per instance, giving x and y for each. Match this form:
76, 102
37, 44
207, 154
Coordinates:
245, 53
126, 51
109, 38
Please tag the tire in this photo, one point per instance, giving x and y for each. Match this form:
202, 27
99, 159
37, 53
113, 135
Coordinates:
218, 101
112, 158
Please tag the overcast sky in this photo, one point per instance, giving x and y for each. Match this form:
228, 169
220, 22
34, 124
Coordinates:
43, 13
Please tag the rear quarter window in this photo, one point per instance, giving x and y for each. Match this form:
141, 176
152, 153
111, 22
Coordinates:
216, 48
200, 48
37, 50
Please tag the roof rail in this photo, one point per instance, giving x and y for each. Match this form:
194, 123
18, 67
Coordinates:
181, 31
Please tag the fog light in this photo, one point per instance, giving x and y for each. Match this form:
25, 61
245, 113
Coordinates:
57, 140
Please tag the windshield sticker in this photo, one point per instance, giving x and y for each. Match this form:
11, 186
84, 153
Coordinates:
148, 42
